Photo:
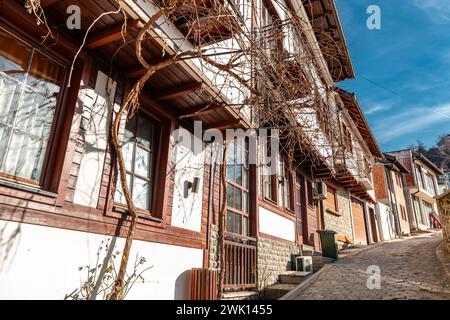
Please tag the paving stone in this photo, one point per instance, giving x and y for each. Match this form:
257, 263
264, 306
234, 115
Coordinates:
409, 271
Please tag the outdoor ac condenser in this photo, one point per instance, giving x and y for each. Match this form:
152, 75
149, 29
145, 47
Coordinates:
304, 264
320, 192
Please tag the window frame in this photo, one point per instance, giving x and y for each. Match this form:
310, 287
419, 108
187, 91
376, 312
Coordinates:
288, 186
333, 191
348, 140
154, 152
45, 180
233, 183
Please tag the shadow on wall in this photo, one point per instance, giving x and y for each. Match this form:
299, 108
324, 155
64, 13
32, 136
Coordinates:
182, 286
10, 233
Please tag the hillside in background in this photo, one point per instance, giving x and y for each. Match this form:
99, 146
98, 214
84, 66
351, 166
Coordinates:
438, 154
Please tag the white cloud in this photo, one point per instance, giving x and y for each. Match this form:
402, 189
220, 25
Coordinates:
412, 121
378, 107
438, 10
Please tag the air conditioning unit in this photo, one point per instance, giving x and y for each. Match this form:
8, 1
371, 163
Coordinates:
304, 264
320, 191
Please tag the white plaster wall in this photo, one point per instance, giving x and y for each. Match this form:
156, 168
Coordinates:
275, 225
97, 112
386, 221
43, 263
187, 212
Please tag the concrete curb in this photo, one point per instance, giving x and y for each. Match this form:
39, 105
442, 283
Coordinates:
305, 284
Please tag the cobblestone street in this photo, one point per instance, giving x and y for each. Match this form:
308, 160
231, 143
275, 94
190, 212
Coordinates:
410, 269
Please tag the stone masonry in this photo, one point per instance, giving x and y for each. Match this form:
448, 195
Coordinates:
409, 269
341, 222
274, 257
214, 258
444, 212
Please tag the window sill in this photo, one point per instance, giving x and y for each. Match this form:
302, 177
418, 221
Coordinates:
335, 213
272, 202
141, 216
27, 188
290, 211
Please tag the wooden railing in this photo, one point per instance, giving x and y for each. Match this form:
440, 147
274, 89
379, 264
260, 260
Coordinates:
240, 265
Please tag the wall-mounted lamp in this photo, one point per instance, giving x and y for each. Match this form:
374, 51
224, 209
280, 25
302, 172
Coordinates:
193, 185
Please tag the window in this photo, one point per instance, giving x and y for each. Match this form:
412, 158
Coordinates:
287, 188
417, 210
268, 187
429, 184
428, 208
332, 202
403, 212
398, 178
419, 177
138, 152
29, 89
309, 188
238, 204
269, 180
347, 138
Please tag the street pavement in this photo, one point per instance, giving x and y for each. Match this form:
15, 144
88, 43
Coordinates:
408, 270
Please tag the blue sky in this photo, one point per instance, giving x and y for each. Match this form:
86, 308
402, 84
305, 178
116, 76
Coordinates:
402, 70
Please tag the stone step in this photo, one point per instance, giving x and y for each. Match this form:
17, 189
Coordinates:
242, 295
319, 262
307, 250
293, 277
278, 290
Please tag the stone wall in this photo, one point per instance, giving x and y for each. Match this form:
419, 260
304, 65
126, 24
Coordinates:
274, 257
444, 212
340, 221
214, 258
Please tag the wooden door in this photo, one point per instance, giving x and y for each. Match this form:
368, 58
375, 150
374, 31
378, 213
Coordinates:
299, 211
359, 222
373, 225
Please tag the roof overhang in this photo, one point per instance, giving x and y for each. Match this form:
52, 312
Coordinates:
397, 164
429, 164
327, 26
354, 109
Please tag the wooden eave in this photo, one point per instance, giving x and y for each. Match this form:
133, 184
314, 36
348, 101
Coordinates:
176, 87
354, 109
327, 26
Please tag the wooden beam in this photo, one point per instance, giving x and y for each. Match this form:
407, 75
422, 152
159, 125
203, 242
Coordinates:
112, 34
198, 110
222, 125
139, 71
180, 90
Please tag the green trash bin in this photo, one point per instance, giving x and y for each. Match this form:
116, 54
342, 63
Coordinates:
329, 243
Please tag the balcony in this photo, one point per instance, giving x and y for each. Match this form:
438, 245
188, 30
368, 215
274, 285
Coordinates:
206, 22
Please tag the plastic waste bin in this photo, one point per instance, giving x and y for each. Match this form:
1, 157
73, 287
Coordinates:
329, 243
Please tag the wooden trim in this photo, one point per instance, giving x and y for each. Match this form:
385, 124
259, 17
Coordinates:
111, 34
275, 209
85, 219
73, 133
